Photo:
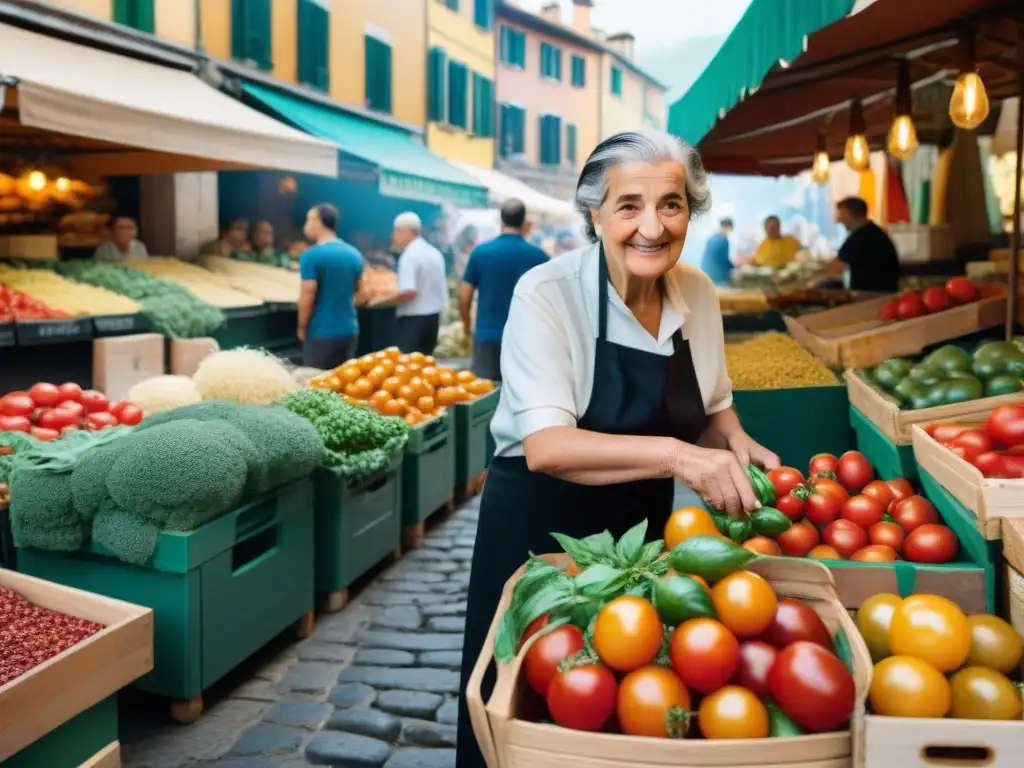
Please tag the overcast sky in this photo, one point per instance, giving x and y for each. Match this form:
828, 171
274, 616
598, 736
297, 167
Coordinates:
657, 23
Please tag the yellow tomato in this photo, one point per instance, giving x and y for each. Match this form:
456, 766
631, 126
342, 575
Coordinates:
873, 619
745, 603
983, 694
994, 644
686, 522
902, 686
930, 628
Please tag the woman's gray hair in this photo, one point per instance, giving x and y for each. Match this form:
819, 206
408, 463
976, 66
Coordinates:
644, 146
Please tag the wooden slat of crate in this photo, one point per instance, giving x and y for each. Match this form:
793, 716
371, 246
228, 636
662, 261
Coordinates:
58, 689
904, 742
108, 757
895, 422
854, 337
991, 500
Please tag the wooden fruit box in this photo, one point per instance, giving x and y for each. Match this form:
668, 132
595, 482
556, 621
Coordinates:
908, 742
108, 757
854, 337
51, 694
990, 499
896, 423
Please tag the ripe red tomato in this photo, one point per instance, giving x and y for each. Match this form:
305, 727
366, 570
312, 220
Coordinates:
862, 510
796, 622
653, 702
130, 414
880, 491
785, 479
117, 406
1012, 463
628, 633
583, 698
943, 433
533, 628
900, 487
822, 462
15, 424
1005, 425
935, 298
961, 289
547, 652
704, 654
58, 418
845, 537
94, 401
990, 464
46, 435
70, 391
72, 408
100, 420
800, 539
822, 507
931, 543
17, 404
875, 553
888, 311
971, 443
909, 306
790, 506
914, 511
889, 534
812, 686
832, 487
44, 394
756, 659
854, 471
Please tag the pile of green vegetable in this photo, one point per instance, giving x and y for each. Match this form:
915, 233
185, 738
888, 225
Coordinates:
765, 521
951, 375
171, 309
359, 441
175, 472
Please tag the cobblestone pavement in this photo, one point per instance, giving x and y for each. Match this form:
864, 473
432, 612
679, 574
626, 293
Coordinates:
375, 686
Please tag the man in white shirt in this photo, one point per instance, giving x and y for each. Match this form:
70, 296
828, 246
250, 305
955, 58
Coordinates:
123, 244
422, 287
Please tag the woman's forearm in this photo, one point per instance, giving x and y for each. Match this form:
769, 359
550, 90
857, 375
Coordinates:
720, 428
594, 458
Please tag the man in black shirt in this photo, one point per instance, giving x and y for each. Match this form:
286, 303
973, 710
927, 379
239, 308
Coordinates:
868, 258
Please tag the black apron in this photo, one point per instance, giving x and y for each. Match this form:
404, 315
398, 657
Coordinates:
634, 393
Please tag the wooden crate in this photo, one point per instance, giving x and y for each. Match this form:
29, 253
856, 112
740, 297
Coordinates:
854, 337
919, 243
991, 500
52, 693
108, 757
907, 742
895, 422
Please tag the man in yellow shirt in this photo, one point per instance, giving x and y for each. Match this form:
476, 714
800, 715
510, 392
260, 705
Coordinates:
776, 250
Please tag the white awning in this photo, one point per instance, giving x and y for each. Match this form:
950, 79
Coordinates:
82, 91
502, 187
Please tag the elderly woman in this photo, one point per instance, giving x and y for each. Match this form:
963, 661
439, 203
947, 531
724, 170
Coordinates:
614, 381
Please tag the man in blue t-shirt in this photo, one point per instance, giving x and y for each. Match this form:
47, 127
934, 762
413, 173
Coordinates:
716, 263
493, 269
331, 270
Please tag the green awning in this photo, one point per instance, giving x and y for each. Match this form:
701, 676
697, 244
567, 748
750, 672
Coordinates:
406, 167
769, 30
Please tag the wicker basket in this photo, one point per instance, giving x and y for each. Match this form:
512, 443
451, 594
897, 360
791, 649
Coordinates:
507, 742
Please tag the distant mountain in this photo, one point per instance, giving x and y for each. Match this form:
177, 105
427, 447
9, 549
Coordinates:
680, 64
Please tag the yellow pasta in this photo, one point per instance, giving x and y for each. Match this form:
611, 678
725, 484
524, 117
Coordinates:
774, 361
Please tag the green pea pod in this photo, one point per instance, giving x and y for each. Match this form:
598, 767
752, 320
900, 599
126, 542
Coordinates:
678, 598
770, 522
740, 529
763, 488
710, 557
781, 725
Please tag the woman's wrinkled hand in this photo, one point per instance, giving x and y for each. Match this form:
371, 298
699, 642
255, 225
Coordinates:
718, 476
749, 451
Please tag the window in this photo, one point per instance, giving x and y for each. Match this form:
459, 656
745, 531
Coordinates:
483, 106
550, 61
137, 14
513, 130
483, 13
458, 96
579, 72
550, 140
451, 5
437, 94
250, 32
378, 74
513, 47
570, 143
314, 36
616, 81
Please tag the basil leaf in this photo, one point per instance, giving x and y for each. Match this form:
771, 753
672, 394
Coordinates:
507, 639
576, 549
602, 547
629, 546
597, 578
545, 600
650, 552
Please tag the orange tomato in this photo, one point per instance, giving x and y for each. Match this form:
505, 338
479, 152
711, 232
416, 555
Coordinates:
367, 363
875, 553
930, 628
335, 384
360, 389
376, 376
431, 375
824, 552
414, 367
403, 403
425, 404
412, 419
401, 371
319, 384
379, 398
464, 377
745, 603
382, 355
444, 396
459, 394
391, 384
733, 712
429, 360
445, 377
406, 392
479, 387
653, 702
416, 357
349, 373
627, 633
393, 408
392, 352
403, 359
762, 545
686, 522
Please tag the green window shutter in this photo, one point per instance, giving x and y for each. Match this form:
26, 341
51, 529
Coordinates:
437, 97
458, 95
452, 4
483, 106
250, 32
483, 13
545, 139
570, 143
616, 81
520, 132
505, 44
138, 14
519, 49
314, 44
378, 74
513, 130
579, 72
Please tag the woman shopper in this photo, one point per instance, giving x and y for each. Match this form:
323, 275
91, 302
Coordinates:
614, 382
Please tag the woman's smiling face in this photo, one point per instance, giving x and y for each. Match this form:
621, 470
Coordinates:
644, 217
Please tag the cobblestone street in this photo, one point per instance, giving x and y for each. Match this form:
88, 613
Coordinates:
375, 685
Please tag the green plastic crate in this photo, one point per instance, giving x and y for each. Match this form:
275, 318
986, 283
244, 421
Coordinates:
472, 430
797, 422
888, 459
428, 469
358, 524
218, 593
244, 327
74, 742
7, 551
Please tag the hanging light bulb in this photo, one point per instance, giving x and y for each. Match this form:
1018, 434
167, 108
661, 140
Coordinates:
822, 162
902, 132
968, 106
36, 181
63, 184
857, 152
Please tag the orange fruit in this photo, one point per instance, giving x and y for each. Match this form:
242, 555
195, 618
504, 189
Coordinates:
762, 545
412, 419
416, 357
431, 375
406, 393
376, 376
319, 384
403, 403
824, 552
366, 363
745, 603
402, 359
349, 373
429, 360
387, 364
360, 389
401, 371
414, 367
391, 384
393, 408
686, 522
378, 398
479, 387
445, 377
382, 355
335, 384
393, 352
444, 396
425, 404
464, 377
460, 394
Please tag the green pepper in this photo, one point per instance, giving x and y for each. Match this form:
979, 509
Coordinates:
959, 390
710, 557
740, 529
763, 488
998, 357
721, 522
909, 390
678, 598
949, 358
781, 726
1003, 384
770, 522
924, 374
891, 372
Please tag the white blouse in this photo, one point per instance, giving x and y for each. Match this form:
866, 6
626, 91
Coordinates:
547, 351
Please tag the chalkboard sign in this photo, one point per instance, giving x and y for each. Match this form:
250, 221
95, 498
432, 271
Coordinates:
35, 332
120, 325
8, 338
